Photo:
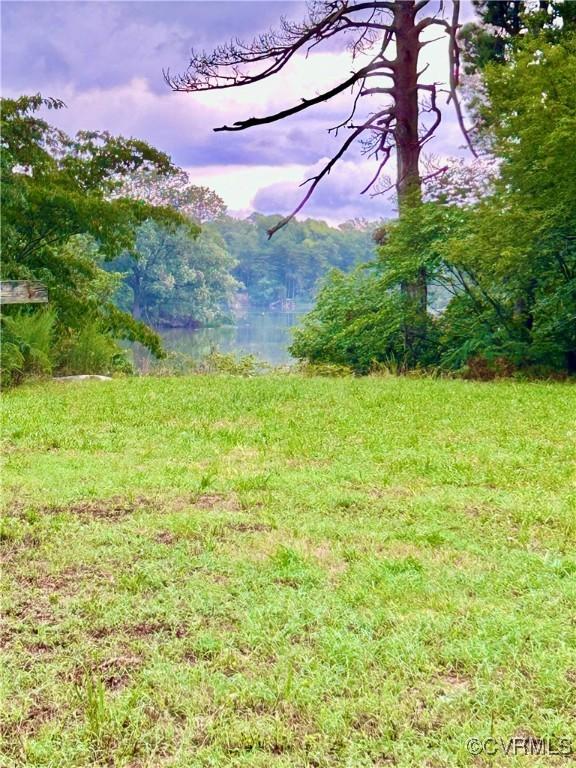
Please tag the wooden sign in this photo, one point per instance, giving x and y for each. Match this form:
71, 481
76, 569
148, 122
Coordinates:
22, 292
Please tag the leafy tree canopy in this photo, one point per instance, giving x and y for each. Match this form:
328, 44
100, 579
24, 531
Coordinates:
172, 279
62, 216
503, 254
174, 190
291, 264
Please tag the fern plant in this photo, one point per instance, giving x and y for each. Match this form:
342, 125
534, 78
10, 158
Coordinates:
27, 344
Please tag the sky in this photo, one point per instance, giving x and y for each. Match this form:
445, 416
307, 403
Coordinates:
105, 59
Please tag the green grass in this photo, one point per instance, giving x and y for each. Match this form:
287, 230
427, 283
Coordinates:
216, 571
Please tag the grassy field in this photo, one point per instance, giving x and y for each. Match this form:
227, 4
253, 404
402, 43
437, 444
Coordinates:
217, 571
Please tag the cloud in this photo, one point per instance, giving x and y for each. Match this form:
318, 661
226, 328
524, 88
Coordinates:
336, 198
105, 60
106, 43
182, 124
238, 185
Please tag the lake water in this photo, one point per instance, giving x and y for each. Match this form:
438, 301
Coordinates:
266, 334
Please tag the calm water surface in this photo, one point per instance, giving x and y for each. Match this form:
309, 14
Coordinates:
265, 334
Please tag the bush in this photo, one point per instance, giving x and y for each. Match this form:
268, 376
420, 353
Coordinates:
329, 370
359, 322
91, 350
481, 369
245, 365
179, 364
26, 348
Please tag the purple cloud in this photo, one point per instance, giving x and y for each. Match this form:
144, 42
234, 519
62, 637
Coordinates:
107, 43
105, 59
337, 198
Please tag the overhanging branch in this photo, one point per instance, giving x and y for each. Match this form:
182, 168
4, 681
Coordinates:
241, 125
318, 178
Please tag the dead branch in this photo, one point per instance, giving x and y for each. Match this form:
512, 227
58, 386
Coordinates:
237, 64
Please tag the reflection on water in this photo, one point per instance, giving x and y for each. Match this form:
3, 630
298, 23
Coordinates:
265, 334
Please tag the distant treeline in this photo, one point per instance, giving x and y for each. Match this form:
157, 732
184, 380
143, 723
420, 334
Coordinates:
174, 279
291, 264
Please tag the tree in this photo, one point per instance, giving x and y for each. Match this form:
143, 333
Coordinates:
519, 246
490, 38
504, 254
359, 319
175, 277
291, 264
60, 221
487, 39
176, 191
171, 278
379, 30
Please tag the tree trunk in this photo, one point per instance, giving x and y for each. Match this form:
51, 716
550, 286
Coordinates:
408, 184
135, 283
136, 309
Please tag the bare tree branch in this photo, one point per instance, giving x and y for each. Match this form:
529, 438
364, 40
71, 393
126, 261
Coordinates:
240, 125
394, 128
454, 61
317, 179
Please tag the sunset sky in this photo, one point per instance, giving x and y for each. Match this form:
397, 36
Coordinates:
105, 60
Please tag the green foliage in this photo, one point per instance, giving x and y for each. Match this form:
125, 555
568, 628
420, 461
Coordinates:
174, 278
61, 218
56, 186
170, 279
235, 365
27, 344
492, 38
92, 349
291, 264
488, 41
361, 319
175, 190
501, 257
214, 362
355, 322
330, 370
519, 248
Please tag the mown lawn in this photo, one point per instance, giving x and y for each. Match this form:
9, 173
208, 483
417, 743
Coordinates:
280, 571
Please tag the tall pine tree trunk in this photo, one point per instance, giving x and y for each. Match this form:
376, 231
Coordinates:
408, 184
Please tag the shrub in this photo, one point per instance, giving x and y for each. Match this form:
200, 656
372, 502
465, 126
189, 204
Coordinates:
91, 350
358, 322
26, 345
482, 369
329, 370
245, 365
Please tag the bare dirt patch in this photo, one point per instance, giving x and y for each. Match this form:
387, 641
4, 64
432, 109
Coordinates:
114, 673
217, 501
40, 712
453, 683
246, 527
117, 672
190, 657
114, 508
40, 648
65, 582
117, 508
68, 580
155, 627
391, 492
147, 628
368, 724
165, 537
31, 614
